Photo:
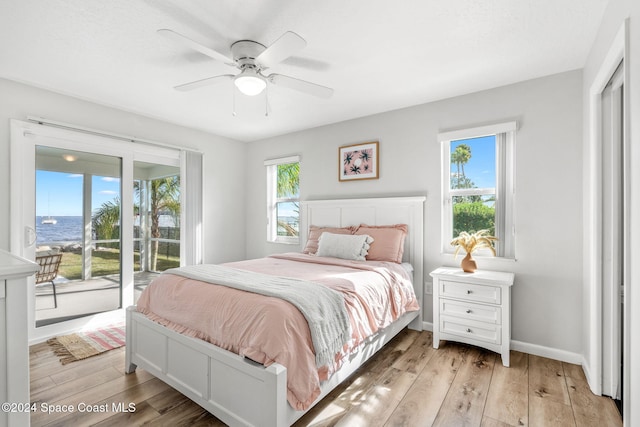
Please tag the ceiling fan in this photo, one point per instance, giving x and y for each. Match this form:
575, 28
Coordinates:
252, 58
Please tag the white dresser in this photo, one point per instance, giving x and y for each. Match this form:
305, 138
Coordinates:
14, 340
473, 308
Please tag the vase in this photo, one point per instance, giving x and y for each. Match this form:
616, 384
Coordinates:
468, 264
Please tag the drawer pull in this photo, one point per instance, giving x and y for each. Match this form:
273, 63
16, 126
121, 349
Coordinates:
468, 291
468, 311
468, 330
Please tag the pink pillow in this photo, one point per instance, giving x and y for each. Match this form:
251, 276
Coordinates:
314, 235
388, 241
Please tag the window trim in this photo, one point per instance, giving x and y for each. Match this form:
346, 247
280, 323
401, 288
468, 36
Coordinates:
504, 190
273, 200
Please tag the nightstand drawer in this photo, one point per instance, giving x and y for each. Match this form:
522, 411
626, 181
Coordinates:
471, 292
467, 310
471, 330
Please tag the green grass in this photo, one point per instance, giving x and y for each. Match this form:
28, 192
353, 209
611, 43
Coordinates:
107, 262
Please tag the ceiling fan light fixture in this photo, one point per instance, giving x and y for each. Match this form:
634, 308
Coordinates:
250, 83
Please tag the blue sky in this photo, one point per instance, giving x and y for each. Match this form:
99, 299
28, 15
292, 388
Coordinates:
481, 168
288, 209
60, 193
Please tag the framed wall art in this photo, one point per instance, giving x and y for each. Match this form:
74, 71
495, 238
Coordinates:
359, 161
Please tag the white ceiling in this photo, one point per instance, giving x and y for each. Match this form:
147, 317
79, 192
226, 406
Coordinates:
378, 55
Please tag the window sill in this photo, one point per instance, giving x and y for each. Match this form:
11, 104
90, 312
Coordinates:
449, 257
284, 242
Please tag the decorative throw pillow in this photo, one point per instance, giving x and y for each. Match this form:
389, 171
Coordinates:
315, 232
388, 241
344, 246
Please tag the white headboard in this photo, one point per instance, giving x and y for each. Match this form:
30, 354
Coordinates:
375, 211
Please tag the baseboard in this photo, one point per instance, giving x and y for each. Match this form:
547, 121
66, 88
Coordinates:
593, 385
537, 350
551, 353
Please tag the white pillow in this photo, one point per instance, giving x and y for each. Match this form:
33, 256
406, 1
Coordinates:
345, 246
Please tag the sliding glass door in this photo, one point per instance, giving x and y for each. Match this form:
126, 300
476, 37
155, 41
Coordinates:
78, 205
157, 205
112, 207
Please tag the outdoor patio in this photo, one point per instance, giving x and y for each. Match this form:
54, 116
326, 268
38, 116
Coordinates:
78, 298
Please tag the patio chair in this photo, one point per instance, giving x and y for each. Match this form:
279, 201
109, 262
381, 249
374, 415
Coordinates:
49, 265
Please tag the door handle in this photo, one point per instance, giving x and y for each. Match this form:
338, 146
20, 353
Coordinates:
29, 236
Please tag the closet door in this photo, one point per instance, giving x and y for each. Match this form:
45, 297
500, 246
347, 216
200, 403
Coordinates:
613, 233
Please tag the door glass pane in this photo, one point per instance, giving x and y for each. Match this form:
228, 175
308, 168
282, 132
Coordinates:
157, 221
105, 218
77, 216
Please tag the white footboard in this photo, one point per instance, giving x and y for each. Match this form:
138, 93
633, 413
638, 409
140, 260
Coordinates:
237, 391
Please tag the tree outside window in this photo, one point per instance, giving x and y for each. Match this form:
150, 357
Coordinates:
288, 199
283, 199
164, 200
473, 191
478, 184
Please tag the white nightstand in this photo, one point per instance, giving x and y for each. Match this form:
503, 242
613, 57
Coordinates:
474, 308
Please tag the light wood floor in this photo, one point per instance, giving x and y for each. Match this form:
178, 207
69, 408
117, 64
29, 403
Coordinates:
407, 383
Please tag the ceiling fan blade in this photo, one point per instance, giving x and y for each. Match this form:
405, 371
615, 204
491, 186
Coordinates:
301, 85
179, 38
288, 44
204, 82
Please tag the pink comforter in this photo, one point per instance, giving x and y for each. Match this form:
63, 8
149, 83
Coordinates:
269, 330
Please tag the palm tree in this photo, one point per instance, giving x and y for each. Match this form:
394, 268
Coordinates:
288, 185
288, 179
165, 197
465, 155
105, 219
460, 156
455, 159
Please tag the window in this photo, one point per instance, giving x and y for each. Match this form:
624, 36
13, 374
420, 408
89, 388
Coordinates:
283, 199
478, 184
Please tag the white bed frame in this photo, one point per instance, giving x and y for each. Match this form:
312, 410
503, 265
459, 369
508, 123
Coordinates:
243, 393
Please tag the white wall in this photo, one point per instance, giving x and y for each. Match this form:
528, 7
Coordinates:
224, 183
614, 18
549, 182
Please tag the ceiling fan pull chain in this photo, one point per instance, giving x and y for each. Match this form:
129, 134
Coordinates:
266, 102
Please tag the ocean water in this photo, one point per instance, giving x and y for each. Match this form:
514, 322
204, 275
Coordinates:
68, 229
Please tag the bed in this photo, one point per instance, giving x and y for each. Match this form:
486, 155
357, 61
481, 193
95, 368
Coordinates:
240, 391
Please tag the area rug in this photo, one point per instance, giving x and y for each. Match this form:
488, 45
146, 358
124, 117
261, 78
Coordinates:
78, 346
